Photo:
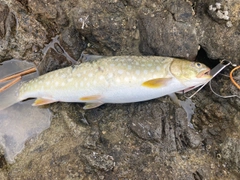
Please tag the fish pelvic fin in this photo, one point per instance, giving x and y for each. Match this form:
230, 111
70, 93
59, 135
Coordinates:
91, 98
92, 105
92, 101
156, 83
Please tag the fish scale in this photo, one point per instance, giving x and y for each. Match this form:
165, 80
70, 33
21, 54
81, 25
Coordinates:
117, 79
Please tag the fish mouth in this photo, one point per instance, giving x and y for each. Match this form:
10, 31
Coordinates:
204, 74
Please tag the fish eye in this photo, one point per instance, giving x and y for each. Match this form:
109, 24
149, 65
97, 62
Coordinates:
198, 64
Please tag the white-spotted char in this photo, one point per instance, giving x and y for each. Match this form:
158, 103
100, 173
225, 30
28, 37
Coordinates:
116, 79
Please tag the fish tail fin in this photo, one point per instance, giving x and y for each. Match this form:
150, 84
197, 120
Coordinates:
12, 74
9, 96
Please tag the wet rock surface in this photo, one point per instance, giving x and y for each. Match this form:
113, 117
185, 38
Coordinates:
148, 140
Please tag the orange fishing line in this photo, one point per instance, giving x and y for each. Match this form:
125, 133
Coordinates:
28, 71
231, 77
17, 79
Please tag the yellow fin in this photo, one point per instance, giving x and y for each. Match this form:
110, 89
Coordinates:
90, 98
92, 105
43, 101
156, 83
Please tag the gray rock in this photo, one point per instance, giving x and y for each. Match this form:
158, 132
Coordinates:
148, 140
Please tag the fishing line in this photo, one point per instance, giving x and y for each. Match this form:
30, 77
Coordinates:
229, 96
231, 77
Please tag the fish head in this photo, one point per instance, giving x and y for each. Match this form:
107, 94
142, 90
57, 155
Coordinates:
190, 73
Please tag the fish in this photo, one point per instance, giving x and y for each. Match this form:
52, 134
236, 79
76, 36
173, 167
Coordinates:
111, 79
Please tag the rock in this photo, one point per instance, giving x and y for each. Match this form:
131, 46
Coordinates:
147, 140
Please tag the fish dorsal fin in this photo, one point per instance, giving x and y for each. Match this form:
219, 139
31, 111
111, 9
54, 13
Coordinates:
92, 105
89, 58
156, 83
43, 101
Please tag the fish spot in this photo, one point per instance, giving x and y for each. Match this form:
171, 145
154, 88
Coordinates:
78, 75
56, 83
81, 84
94, 82
112, 65
158, 68
101, 77
129, 67
126, 79
138, 72
63, 84
88, 84
47, 83
120, 71
110, 75
134, 78
63, 76
70, 80
90, 74
145, 71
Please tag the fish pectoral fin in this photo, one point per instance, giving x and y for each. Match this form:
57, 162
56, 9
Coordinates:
43, 101
156, 83
175, 99
92, 105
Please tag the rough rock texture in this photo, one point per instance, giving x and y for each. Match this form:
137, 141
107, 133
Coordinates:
148, 140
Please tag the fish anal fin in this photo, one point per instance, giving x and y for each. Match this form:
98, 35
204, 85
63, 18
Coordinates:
43, 101
90, 98
92, 105
156, 83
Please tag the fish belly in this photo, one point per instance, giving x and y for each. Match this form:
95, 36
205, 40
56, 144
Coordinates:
126, 94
